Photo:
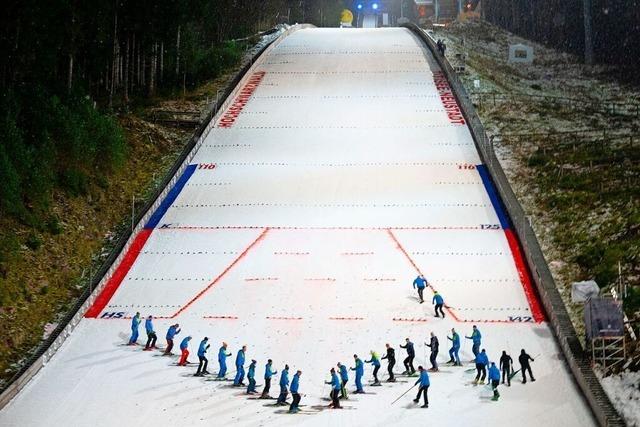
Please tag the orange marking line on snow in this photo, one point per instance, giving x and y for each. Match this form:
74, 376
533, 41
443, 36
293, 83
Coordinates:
224, 272
291, 253
356, 253
346, 318
220, 317
282, 318
406, 254
261, 279
407, 319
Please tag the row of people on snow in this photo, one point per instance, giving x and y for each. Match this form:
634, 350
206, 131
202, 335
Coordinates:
484, 367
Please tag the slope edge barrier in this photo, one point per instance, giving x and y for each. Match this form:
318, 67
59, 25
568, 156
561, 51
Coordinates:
565, 333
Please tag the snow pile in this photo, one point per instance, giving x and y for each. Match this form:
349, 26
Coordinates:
624, 392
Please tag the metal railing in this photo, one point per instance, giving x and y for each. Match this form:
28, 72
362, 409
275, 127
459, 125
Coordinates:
67, 324
560, 321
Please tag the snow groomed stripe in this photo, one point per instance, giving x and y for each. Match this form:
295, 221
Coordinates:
514, 245
231, 115
171, 197
118, 276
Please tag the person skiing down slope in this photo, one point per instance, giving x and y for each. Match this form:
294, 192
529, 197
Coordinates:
524, 359
204, 362
268, 373
184, 348
482, 360
408, 362
359, 368
506, 365
494, 377
222, 360
239, 379
424, 386
284, 382
344, 377
434, 346
420, 283
335, 389
439, 303
476, 337
295, 383
455, 348
151, 334
171, 333
135, 324
375, 361
251, 376
391, 361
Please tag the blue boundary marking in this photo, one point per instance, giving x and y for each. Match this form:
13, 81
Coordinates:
171, 197
493, 196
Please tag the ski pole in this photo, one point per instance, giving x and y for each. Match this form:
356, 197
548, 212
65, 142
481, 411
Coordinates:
403, 394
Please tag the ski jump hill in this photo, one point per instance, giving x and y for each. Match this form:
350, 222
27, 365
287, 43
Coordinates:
339, 169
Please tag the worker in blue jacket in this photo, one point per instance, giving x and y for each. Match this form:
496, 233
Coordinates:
171, 333
135, 324
284, 382
424, 383
494, 378
335, 389
439, 303
268, 374
455, 348
151, 334
344, 377
204, 362
359, 368
251, 376
476, 338
222, 360
375, 361
239, 379
420, 283
184, 348
295, 383
482, 361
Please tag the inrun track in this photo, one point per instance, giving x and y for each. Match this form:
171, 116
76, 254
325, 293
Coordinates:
298, 231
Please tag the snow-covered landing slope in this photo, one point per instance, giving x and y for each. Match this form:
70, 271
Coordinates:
340, 173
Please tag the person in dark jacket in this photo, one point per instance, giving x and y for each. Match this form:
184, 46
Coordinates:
420, 283
434, 346
424, 386
268, 373
335, 389
411, 354
494, 378
151, 334
204, 362
506, 366
184, 348
391, 361
524, 359
171, 333
344, 378
295, 383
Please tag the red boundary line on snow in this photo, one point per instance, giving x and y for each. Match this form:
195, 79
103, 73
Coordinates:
412, 319
406, 254
221, 317
282, 318
224, 272
261, 279
119, 274
525, 278
346, 318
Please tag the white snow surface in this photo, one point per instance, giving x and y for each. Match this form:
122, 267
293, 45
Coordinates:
624, 391
341, 177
